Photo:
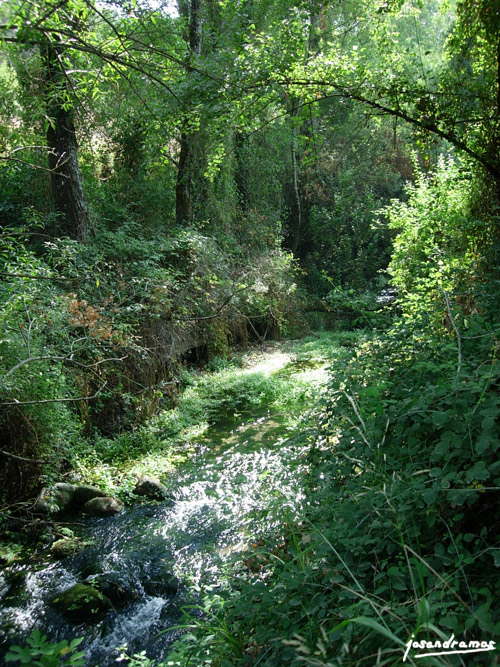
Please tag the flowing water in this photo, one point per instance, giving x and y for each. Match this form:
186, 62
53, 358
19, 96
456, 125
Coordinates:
160, 556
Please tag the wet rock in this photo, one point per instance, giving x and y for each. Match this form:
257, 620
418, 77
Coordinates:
103, 506
64, 496
85, 492
81, 602
65, 547
151, 487
112, 585
158, 580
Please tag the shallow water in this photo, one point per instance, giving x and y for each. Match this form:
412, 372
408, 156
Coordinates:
163, 555
210, 519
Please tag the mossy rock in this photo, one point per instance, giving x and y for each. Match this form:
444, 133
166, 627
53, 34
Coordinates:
81, 602
85, 492
56, 499
63, 495
151, 487
65, 547
113, 586
103, 506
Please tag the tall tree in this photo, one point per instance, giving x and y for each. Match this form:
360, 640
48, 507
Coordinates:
65, 176
190, 11
80, 45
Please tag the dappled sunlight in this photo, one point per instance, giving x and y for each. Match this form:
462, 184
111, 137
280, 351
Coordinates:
271, 363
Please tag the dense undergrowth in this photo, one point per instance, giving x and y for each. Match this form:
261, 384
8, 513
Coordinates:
95, 335
397, 538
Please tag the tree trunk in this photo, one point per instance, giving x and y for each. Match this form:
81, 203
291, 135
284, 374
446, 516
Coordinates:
66, 182
191, 11
184, 184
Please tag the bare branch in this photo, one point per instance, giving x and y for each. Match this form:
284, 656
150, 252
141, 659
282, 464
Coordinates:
56, 400
21, 458
68, 358
27, 275
217, 312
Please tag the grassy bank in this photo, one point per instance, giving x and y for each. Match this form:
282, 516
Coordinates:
394, 547
273, 377
277, 377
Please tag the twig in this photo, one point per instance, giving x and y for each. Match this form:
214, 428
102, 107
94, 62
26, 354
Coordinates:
21, 458
455, 329
26, 275
68, 358
217, 312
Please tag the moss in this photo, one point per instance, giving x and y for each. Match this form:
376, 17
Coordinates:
81, 602
65, 547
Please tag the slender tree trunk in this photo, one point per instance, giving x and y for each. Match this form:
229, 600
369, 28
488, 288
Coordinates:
191, 11
298, 211
241, 171
295, 239
66, 182
184, 184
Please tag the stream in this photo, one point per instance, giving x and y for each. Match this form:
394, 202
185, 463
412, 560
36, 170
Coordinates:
160, 556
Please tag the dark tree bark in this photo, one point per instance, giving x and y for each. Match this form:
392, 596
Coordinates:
66, 182
184, 184
191, 11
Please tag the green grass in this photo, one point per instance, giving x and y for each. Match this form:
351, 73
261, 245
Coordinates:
282, 377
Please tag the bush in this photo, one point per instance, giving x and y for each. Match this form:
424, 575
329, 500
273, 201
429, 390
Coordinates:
40, 652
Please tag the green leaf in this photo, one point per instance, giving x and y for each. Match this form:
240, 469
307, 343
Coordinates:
375, 625
478, 472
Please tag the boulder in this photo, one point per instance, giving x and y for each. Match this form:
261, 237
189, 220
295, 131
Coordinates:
81, 602
151, 487
65, 547
56, 499
43, 504
63, 495
112, 585
103, 506
84, 493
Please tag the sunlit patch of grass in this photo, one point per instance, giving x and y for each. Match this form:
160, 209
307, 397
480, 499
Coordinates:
283, 379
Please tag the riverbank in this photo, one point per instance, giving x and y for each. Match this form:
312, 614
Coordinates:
224, 453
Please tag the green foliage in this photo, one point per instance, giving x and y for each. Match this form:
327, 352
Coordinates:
356, 309
39, 651
395, 538
440, 246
